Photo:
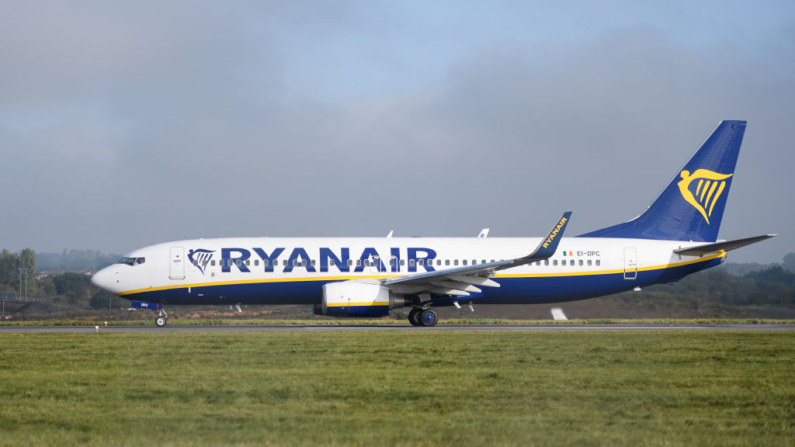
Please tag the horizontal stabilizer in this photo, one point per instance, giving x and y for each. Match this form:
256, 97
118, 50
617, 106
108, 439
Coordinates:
718, 246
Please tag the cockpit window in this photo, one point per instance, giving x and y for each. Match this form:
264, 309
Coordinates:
131, 261
139, 260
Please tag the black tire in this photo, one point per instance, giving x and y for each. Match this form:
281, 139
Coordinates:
414, 317
428, 318
161, 321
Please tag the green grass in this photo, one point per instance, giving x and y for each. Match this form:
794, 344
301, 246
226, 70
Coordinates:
384, 321
399, 388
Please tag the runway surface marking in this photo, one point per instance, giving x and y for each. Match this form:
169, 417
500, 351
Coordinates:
386, 327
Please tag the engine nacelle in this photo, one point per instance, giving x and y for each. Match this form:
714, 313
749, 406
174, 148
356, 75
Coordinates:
357, 299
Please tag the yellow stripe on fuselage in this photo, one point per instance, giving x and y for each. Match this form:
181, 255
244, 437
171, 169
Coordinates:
385, 303
345, 278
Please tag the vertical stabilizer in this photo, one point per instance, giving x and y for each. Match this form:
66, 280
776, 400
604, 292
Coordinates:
691, 207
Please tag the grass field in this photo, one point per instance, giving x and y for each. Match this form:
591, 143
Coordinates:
399, 388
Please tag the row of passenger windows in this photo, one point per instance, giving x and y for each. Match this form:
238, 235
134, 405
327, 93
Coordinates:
367, 262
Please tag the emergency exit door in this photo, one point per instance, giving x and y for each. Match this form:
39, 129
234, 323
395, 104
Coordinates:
177, 264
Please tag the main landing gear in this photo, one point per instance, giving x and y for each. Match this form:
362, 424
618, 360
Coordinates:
423, 317
162, 318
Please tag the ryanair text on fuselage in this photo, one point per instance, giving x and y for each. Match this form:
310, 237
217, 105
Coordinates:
299, 258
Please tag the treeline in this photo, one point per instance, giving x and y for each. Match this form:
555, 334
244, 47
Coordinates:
771, 286
21, 277
745, 268
75, 261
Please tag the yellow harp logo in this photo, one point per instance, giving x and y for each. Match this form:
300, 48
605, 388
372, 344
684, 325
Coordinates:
705, 196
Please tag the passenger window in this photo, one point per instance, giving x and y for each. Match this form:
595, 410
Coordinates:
411, 262
492, 260
455, 262
212, 263
598, 262
555, 262
350, 261
589, 263
358, 262
446, 262
284, 262
402, 262
238, 262
420, 262
571, 262
331, 262
392, 262
483, 261
580, 262
546, 261
464, 262
266, 262
439, 262
196, 262
248, 262
367, 263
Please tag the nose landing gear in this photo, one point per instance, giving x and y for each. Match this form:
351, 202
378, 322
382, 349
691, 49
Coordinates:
162, 318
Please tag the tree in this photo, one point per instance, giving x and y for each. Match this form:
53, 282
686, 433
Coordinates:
99, 300
27, 261
74, 286
789, 262
8, 271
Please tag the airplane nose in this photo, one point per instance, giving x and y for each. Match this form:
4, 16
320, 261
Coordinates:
104, 279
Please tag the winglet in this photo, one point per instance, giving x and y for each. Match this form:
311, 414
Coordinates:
549, 244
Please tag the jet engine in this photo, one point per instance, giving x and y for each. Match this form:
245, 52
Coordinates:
357, 299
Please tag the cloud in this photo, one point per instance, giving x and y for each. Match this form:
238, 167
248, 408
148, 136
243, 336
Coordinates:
139, 126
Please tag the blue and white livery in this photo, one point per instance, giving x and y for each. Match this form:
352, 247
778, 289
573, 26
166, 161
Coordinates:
368, 277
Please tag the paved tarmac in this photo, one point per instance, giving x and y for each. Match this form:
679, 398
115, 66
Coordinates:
395, 327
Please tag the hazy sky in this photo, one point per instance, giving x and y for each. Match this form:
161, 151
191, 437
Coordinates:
124, 124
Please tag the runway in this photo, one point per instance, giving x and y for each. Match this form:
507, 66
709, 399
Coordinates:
396, 327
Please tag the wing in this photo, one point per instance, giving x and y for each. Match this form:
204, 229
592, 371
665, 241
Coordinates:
460, 281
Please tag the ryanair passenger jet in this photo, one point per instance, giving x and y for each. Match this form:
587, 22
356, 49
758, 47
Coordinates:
358, 277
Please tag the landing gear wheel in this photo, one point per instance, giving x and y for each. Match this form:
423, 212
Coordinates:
161, 321
414, 317
428, 318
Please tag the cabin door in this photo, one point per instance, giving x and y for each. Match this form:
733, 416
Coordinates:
177, 264
630, 263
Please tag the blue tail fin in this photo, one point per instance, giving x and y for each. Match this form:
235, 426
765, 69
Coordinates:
691, 207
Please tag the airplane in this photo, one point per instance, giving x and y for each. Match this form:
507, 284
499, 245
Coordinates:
369, 277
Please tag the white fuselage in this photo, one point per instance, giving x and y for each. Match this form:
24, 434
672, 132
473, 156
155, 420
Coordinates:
293, 270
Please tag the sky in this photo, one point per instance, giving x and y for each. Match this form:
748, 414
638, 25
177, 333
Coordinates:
125, 124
